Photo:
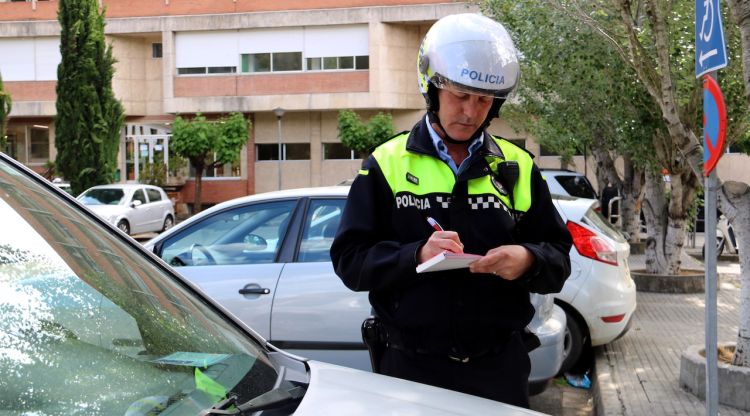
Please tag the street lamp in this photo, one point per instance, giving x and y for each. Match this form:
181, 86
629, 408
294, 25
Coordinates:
279, 113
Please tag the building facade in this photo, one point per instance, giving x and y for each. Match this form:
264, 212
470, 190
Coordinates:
289, 65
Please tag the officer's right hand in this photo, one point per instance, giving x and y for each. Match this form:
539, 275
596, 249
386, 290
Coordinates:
439, 242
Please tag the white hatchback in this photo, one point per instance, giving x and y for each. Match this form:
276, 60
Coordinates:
133, 208
266, 258
599, 297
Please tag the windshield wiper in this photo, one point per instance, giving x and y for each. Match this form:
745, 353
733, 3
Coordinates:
270, 400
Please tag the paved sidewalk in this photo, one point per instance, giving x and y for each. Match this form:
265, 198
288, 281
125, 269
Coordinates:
638, 374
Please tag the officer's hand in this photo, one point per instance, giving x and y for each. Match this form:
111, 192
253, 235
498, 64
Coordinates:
509, 262
439, 242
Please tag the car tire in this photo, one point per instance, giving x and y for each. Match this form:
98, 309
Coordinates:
168, 223
124, 226
575, 340
719, 247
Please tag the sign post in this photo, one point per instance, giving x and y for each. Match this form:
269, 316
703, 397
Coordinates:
710, 56
714, 132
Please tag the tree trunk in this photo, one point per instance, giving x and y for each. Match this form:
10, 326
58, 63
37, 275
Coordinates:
655, 211
630, 189
199, 166
734, 202
632, 195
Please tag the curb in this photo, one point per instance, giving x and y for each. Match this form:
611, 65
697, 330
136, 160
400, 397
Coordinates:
607, 398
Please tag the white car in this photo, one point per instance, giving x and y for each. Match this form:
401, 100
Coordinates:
599, 297
94, 324
133, 208
266, 258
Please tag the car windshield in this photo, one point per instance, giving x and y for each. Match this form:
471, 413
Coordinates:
90, 325
103, 196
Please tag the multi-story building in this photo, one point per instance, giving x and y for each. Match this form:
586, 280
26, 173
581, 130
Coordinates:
289, 65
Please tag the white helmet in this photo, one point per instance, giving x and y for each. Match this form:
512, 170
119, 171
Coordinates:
470, 53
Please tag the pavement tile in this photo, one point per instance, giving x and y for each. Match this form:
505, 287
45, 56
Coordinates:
638, 374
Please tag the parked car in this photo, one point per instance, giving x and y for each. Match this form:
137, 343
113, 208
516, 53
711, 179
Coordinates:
266, 258
64, 185
133, 208
568, 183
599, 297
94, 324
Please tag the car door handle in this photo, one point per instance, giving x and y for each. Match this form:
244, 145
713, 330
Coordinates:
254, 289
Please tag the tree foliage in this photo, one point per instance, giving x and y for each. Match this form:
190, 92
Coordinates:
653, 40
208, 144
6, 104
89, 117
364, 137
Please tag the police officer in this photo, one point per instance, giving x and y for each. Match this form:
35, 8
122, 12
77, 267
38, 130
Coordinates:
461, 329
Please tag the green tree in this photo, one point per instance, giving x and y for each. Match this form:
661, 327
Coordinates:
364, 137
208, 144
6, 104
655, 38
576, 96
89, 117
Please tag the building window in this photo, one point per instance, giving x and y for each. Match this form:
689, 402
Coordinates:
227, 170
39, 144
222, 69
156, 50
266, 152
362, 62
290, 151
286, 61
338, 62
256, 62
210, 70
271, 62
337, 151
191, 71
518, 142
296, 151
543, 151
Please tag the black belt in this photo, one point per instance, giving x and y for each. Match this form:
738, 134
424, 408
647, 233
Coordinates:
395, 339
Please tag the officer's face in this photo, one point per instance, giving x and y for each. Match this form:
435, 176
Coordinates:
461, 114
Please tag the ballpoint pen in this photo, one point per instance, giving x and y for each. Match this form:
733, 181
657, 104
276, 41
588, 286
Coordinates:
434, 224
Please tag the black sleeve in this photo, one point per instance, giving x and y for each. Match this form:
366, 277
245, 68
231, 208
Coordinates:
365, 253
542, 231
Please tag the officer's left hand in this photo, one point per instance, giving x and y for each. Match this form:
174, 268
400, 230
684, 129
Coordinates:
509, 262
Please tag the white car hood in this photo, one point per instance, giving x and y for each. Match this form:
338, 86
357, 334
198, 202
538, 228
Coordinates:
338, 390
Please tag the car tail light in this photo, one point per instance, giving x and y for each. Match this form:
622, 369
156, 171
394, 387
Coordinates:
591, 245
613, 319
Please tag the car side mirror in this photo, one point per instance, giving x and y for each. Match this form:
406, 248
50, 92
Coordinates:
135, 203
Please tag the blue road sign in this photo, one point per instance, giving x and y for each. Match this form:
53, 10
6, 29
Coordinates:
710, 49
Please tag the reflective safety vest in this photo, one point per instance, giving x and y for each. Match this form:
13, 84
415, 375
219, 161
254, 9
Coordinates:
401, 169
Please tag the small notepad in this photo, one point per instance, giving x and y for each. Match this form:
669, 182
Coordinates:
447, 261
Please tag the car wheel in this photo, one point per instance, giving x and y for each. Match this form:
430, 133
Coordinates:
124, 226
573, 344
168, 223
719, 247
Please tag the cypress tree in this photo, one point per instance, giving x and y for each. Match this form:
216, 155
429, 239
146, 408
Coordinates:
89, 117
5, 107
